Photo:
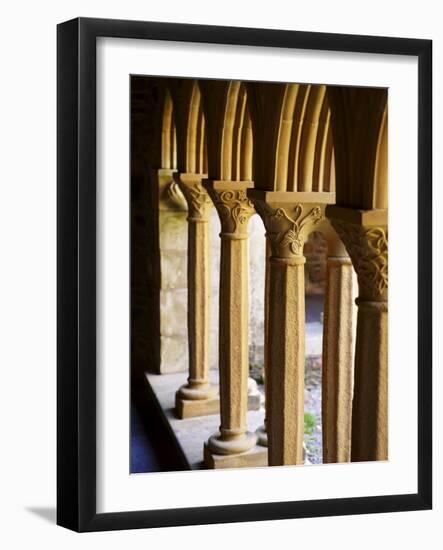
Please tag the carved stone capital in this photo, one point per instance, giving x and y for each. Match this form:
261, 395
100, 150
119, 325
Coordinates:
289, 217
288, 225
197, 198
173, 198
233, 206
368, 248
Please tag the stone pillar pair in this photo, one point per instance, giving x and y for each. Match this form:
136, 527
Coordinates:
354, 404
338, 349
289, 217
339, 322
365, 235
198, 397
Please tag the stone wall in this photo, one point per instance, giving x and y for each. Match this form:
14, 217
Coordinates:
173, 244
174, 298
145, 255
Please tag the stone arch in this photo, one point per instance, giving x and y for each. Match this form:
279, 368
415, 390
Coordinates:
359, 127
168, 134
265, 104
293, 124
229, 130
323, 174
309, 152
190, 126
380, 198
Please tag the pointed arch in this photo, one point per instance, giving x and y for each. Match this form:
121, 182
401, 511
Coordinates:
190, 125
229, 130
168, 134
287, 147
265, 101
246, 146
311, 132
359, 127
293, 124
380, 198
323, 178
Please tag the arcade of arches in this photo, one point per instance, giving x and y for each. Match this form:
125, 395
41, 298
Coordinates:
298, 159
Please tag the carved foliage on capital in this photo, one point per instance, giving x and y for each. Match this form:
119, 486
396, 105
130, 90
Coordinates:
287, 233
199, 203
368, 249
234, 209
173, 197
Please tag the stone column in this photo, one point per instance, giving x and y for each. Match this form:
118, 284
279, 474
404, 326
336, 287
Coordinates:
338, 352
262, 436
197, 397
288, 219
365, 235
234, 210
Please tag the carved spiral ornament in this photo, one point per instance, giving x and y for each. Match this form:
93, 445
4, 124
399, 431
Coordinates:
174, 197
286, 233
368, 249
234, 209
198, 200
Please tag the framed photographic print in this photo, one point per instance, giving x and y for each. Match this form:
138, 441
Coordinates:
227, 346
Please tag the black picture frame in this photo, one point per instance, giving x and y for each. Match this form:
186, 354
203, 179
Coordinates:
76, 273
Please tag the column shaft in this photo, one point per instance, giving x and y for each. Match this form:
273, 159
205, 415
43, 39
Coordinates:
365, 236
262, 435
338, 359
233, 357
197, 397
285, 377
234, 210
199, 298
369, 414
288, 221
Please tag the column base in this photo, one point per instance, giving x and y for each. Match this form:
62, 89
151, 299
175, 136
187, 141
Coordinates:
188, 408
196, 401
262, 441
255, 457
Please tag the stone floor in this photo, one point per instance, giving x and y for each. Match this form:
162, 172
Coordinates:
191, 433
